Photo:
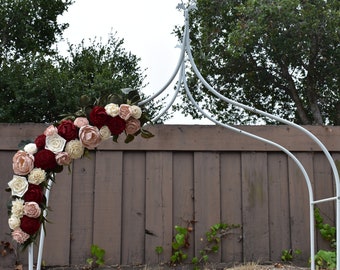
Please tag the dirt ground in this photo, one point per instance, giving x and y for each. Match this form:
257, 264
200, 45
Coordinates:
247, 266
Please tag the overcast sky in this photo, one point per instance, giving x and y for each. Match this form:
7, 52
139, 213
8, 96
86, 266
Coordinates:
146, 27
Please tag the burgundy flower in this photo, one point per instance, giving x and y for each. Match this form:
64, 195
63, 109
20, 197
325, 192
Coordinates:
34, 194
40, 141
30, 225
116, 125
98, 116
68, 130
45, 159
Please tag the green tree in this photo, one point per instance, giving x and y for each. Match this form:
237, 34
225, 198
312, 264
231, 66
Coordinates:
40, 88
36, 83
278, 56
30, 26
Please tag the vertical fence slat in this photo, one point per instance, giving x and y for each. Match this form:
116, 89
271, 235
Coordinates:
324, 188
158, 227
207, 197
231, 205
183, 195
278, 205
299, 205
58, 229
133, 216
82, 209
255, 206
108, 204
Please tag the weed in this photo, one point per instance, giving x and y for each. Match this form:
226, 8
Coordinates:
97, 257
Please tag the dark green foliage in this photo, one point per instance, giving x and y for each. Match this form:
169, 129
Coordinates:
37, 84
278, 56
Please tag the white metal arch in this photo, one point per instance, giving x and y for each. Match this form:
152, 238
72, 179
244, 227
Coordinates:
186, 55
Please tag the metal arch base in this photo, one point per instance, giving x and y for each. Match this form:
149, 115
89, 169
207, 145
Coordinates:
180, 72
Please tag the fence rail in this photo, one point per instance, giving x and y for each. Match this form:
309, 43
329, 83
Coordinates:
127, 198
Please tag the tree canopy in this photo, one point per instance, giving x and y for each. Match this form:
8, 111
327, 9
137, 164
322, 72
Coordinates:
38, 84
28, 26
278, 56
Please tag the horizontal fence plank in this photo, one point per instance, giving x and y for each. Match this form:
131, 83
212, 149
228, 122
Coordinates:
196, 138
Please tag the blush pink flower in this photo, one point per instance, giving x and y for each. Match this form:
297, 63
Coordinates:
32, 209
124, 111
23, 163
89, 136
20, 236
50, 130
63, 159
81, 121
132, 126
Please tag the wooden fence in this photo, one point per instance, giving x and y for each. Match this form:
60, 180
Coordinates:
127, 198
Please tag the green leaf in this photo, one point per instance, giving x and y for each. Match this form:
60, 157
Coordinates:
146, 134
129, 138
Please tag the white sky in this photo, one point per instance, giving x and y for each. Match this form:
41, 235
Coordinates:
146, 27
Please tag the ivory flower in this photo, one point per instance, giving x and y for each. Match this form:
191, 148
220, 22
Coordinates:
31, 148
37, 176
105, 133
112, 109
18, 185
136, 112
18, 208
14, 222
75, 149
55, 143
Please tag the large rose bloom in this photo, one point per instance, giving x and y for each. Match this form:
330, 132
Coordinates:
50, 130
31, 148
20, 236
17, 208
80, 121
125, 111
98, 116
30, 225
37, 176
18, 185
132, 126
40, 141
112, 109
32, 209
14, 222
23, 163
45, 159
74, 149
105, 133
34, 194
116, 125
63, 159
89, 136
55, 143
67, 130
136, 112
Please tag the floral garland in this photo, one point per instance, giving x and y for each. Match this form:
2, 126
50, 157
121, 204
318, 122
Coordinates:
57, 147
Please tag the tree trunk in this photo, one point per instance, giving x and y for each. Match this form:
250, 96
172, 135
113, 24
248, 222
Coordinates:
292, 92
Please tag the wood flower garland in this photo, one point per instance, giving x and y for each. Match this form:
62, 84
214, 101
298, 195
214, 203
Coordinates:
39, 160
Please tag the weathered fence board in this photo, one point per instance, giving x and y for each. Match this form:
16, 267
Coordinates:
127, 198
